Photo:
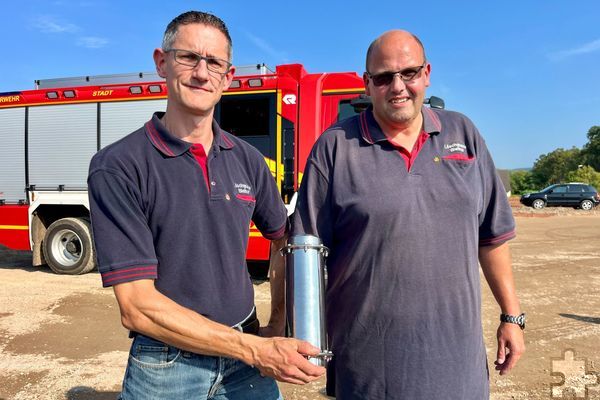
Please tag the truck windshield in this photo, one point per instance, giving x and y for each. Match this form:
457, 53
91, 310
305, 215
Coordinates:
251, 117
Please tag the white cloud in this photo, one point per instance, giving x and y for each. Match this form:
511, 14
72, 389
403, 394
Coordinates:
49, 24
266, 47
586, 48
92, 42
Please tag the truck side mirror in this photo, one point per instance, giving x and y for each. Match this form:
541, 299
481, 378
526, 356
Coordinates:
435, 102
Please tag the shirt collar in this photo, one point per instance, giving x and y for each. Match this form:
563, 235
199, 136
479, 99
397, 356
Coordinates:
372, 133
172, 146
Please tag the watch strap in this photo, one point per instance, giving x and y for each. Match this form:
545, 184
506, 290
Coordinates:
512, 319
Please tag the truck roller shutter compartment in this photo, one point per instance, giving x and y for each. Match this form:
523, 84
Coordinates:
12, 155
62, 141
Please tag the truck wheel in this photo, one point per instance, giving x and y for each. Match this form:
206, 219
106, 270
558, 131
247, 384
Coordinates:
586, 205
538, 204
68, 247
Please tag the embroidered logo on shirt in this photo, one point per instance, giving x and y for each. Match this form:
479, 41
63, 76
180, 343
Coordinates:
244, 192
457, 152
455, 147
243, 188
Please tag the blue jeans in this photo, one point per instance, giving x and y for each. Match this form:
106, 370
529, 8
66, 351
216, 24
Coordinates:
157, 371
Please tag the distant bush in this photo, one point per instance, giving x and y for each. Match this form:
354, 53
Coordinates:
521, 182
585, 174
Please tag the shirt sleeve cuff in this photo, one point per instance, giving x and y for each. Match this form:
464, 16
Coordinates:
128, 274
279, 233
497, 239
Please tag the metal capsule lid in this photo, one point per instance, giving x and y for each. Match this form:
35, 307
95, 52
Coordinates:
305, 242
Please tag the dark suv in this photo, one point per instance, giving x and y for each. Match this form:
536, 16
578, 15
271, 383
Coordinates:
563, 194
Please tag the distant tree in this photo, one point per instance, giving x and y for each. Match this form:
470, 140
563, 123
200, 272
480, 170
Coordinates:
591, 150
585, 174
520, 182
553, 167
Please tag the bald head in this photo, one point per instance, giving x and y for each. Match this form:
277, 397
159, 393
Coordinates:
394, 39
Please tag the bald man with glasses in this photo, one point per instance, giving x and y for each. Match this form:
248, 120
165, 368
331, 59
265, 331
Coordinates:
409, 203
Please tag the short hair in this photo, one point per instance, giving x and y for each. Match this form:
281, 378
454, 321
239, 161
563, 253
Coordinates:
372, 46
195, 17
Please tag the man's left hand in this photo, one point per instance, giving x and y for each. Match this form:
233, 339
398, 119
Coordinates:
511, 345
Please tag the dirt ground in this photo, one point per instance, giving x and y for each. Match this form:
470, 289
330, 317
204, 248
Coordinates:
60, 336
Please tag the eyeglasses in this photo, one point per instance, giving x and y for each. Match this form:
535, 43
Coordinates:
385, 78
191, 59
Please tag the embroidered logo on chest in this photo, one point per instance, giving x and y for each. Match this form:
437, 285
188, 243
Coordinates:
456, 152
242, 188
455, 148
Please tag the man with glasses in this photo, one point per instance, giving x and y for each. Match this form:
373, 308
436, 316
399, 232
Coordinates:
171, 230
408, 201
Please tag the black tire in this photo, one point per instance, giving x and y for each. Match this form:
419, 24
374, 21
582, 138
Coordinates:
68, 247
538, 204
586, 205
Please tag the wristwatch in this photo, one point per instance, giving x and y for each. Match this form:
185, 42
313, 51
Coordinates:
519, 320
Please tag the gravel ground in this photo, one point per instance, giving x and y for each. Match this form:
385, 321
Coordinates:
60, 336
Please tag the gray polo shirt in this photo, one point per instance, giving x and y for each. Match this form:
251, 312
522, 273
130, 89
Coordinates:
403, 297
160, 211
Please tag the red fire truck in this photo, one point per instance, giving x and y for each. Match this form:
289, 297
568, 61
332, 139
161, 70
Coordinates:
49, 135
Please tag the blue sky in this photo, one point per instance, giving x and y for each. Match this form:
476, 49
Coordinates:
526, 72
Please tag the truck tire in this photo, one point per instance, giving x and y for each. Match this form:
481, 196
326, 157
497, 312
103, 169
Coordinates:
68, 247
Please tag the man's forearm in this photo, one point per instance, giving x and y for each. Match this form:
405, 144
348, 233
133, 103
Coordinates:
496, 265
147, 311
